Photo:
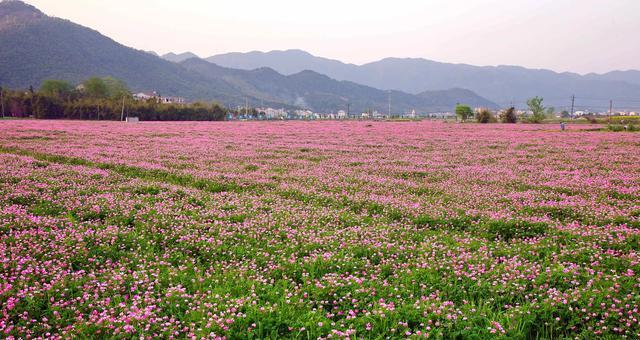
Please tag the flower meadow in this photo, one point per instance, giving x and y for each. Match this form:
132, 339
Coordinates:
305, 230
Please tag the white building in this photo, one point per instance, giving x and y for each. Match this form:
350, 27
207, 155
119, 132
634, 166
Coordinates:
145, 95
274, 113
158, 98
172, 100
378, 115
411, 115
305, 114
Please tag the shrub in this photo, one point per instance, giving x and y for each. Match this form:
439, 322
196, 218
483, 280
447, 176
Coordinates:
621, 128
509, 116
615, 128
485, 116
591, 119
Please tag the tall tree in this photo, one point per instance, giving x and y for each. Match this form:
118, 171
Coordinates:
538, 110
463, 111
116, 88
96, 88
56, 88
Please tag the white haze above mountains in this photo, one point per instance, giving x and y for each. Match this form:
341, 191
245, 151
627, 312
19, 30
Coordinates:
562, 35
505, 85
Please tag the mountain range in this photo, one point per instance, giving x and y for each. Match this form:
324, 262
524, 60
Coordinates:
180, 57
309, 89
36, 47
504, 85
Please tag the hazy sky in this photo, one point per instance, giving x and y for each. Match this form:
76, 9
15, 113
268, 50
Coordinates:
564, 35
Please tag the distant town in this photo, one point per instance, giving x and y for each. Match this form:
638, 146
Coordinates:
269, 113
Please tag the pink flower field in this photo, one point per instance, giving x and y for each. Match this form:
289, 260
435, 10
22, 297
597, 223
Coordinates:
318, 230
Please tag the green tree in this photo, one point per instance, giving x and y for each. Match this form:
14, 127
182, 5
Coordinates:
116, 88
463, 112
56, 88
539, 111
96, 88
509, 116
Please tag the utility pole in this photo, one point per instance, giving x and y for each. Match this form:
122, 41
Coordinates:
348, 110
122, 112
2, 100
246, 106
610, 107
31, 98
573, 101
389, 103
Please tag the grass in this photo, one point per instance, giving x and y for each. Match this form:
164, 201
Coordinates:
135, 172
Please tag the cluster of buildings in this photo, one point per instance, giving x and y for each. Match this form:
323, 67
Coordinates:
584, 113
267, 113
310, 115
145, 96
628, 113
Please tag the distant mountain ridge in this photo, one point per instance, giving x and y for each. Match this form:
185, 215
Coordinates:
36, 47
630, 76
501, 84
286, 62
177, 58
309, 89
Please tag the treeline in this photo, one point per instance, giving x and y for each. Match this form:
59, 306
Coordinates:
98, 99
537, 113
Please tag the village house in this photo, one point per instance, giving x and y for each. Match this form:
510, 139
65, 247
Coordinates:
145, 95
172, 100
160, 99
304, 114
